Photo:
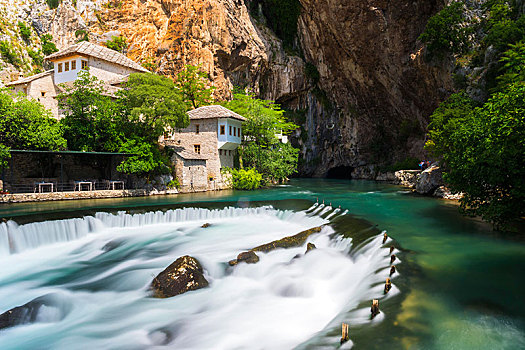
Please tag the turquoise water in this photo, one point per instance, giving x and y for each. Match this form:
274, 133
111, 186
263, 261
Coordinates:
461, 284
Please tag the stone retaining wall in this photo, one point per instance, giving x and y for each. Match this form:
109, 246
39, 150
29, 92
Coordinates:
55, 196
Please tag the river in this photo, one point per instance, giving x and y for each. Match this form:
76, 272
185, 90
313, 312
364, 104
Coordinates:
459, 285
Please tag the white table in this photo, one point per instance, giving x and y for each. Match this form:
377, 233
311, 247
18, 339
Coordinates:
79, 184
41, 186
113, 183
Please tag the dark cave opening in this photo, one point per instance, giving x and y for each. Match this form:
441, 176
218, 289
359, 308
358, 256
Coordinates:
340, 172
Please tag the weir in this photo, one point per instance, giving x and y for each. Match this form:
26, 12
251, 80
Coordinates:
16, 239
104, 280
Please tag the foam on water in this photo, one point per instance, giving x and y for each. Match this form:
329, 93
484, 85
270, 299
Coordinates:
102, 280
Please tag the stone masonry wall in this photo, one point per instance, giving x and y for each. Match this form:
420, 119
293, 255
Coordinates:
54, 196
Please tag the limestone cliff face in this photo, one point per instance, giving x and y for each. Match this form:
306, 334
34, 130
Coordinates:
369, 102
219, 35
371, 68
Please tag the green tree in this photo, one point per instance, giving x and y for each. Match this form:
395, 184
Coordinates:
147, 159
192, 83
26, 124
117, 43
155, 103
445, 120
261, 148
93, 120
445, 33
513, 69
484, 157
48, 47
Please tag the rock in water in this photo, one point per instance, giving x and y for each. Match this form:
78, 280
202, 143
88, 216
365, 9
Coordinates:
310, 246
28, 312
184, 275
429, 180
248, 257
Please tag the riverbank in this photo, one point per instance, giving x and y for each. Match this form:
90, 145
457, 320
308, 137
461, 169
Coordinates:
456, 286
58, 196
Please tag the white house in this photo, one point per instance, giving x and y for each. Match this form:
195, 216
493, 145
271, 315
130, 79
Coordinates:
110, 66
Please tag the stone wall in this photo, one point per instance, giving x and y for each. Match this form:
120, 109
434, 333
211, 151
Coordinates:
107, 71
38, 86
55, 196
187, 138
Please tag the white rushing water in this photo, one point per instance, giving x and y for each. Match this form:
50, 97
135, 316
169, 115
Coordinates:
95, 274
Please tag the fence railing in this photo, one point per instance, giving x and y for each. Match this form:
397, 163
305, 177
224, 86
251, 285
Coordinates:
45, 187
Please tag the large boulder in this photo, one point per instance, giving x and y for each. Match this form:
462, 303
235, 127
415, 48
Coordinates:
429, 180
183, 275
406, 178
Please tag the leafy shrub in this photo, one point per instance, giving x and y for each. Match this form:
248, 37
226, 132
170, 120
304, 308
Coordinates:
445, 32
9, 53
311, 72
25, 31
173, 183
117, 43
36, 56
53, 4
81, 35
4, 157
281, 16
48, 47
245, 179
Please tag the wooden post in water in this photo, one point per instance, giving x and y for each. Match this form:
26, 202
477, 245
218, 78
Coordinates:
391, 249
388, 285
375, 308
385, 236
345, 335
392, 258
392, 270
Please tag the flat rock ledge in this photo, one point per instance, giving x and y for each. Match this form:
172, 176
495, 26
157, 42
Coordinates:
287, 242
183, 275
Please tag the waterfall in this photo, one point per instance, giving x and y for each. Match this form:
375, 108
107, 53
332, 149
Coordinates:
16, 238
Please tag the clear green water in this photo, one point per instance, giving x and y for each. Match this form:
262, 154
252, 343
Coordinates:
462, 285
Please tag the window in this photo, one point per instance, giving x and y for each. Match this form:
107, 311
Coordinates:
234, 131
229, 153
222, 130
73, 65
220, 152
60, 67
197, 149
43, 93
66, 66
230, 130
197, 127
84, 64
239, 132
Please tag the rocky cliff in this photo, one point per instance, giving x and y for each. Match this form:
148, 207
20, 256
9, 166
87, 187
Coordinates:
356, 77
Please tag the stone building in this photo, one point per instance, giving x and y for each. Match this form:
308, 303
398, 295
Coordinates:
110, 66
205, 147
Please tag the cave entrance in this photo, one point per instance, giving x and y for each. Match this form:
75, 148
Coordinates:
340, 172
